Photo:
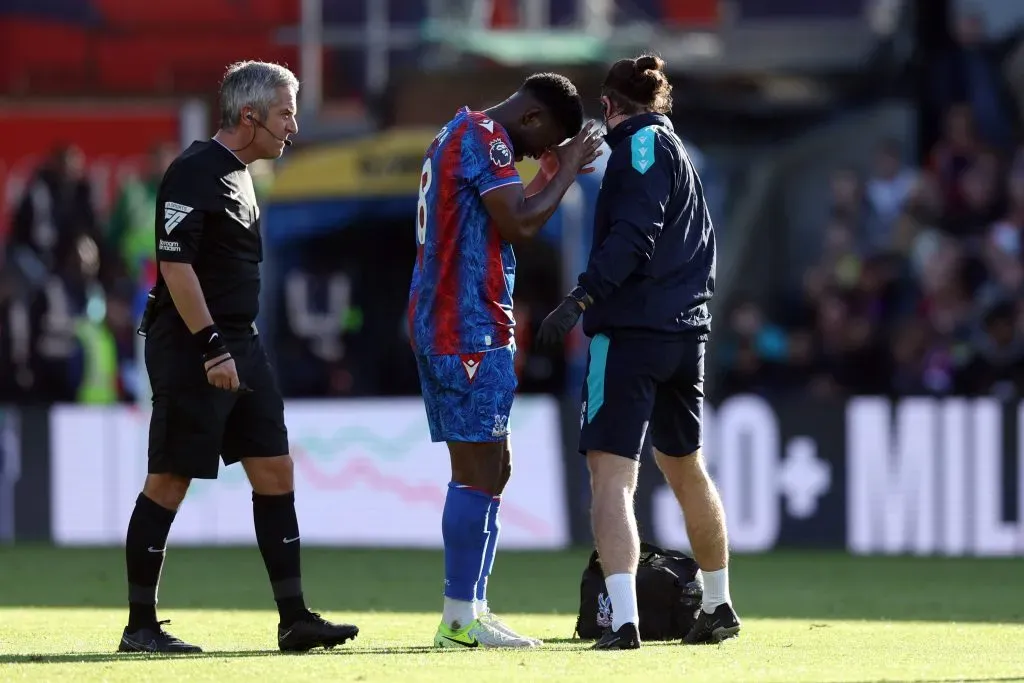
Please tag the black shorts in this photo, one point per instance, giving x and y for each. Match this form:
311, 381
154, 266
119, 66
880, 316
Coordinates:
633, 382
194, 424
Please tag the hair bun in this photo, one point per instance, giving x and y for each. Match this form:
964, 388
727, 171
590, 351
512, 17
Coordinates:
649, 63
641, 81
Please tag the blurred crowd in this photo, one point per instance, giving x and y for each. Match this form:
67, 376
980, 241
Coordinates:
918, 287
71, 280
916, 290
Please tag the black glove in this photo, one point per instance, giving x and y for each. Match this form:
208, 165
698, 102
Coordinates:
558, 323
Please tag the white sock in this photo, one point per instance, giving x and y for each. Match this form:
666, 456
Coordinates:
458, 613
481, 608
622, 591
716, 589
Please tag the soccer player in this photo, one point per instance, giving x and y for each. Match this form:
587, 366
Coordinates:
472, 208
644, 300
214, 392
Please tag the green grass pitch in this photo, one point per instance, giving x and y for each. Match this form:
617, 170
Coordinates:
807, 617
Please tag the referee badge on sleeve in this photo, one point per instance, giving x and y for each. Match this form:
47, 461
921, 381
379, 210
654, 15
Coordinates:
174, 214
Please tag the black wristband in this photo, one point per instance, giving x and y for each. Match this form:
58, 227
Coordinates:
210, 343
223, 360
580, 295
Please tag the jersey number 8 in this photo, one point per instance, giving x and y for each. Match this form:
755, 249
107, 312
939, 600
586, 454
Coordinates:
426, 180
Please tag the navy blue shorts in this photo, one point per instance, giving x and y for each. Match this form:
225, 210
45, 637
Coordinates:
633, 383
468, 397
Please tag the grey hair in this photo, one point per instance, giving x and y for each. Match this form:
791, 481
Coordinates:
252, 84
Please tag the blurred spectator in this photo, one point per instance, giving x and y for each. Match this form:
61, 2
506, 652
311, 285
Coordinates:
888, 190
970, 72
748, 323
801, 363
921, 214
945, 297
1001, 250
994, 365
956, 151
755, 349
11, 373
848, 202
830, 323
55, 212
909, 340
51, 310
120, 323
130, 229
981, 198
747, 372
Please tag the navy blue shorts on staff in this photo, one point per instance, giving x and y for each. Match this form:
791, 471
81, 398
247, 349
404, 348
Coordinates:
636, 382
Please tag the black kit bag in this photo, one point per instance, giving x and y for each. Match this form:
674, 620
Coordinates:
668, 591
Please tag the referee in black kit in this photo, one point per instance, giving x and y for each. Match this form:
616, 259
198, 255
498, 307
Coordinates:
214, 391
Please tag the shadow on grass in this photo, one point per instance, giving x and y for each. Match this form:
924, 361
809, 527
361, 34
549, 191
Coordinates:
95, 657
810, 585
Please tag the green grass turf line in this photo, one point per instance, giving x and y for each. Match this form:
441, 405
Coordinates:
781, 585
808, 618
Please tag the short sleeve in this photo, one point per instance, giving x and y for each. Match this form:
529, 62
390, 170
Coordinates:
487, 157
179, 218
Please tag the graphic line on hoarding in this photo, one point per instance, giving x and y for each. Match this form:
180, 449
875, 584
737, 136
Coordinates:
396, 445
312, 452
344, 438
363, 470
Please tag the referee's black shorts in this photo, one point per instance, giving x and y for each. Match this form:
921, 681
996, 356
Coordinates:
194, 424
635, 382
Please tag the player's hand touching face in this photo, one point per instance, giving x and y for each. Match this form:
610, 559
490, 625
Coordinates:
588, 147
581, 151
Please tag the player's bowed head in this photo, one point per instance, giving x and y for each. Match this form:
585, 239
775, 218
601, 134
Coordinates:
543, 120
544, 112
543, 115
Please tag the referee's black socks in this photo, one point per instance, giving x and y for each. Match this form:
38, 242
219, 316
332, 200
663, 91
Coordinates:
145, 545
277, 533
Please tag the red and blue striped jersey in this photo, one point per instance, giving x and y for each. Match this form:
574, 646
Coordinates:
460, 298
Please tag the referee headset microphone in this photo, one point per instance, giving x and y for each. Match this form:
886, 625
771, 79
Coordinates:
286, 141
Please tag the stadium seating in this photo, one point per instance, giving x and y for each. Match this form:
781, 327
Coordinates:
24, 68
80, 12
165, 63
141, 47
128, 47
690, 14
185, 14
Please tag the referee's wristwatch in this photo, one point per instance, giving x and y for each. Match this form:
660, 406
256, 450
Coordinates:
580, 296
